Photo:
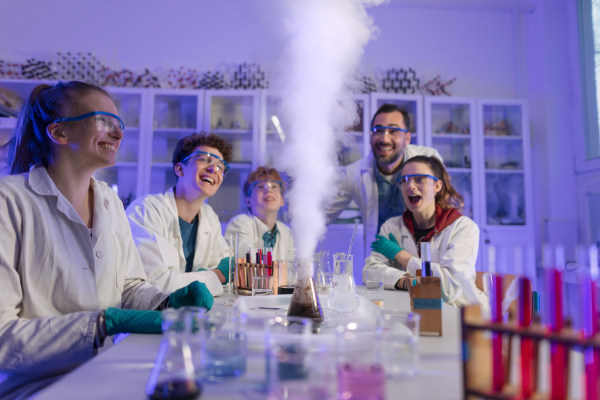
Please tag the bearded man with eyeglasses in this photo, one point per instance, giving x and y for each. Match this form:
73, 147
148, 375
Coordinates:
371, 181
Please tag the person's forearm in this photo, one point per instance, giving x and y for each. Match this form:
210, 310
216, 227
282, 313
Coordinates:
402, 258
219, 275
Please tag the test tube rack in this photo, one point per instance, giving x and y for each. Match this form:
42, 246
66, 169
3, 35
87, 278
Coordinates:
477, 353
426, 300
245, 273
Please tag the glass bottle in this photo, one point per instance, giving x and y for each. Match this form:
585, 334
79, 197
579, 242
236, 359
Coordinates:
173, 374
305, 302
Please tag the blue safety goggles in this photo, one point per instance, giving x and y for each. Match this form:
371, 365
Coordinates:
99, 120
417, 179
207, 159
265, 185
380, 131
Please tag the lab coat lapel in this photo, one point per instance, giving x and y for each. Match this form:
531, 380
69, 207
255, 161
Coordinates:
369, 210
172, 206
42, 184
202, 238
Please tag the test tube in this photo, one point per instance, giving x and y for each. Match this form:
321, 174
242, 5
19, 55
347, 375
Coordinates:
496, 314
248, 254
588, 281
426, 258
270, 256
555, 322
524, 318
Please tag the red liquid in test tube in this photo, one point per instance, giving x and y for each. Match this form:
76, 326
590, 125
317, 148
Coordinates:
590, 321
525, 302
558, 351
496, 313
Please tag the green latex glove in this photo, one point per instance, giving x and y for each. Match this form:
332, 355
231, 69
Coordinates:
132, 321
224, 268
195, 294
387, 247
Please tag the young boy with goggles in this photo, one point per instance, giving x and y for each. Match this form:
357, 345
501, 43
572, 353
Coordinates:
177, 234
259, 228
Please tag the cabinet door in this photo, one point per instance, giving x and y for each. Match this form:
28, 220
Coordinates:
449, 124
506, 179
15, 92
125, 175
356, 139
412, 103
234, 115
7, 125
175, 114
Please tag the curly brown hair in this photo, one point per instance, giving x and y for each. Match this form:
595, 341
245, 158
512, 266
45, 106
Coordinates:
448, 197
186, 145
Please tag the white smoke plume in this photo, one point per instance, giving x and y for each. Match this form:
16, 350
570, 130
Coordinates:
324, 44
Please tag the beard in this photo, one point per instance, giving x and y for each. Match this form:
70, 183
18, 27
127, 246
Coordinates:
387, 159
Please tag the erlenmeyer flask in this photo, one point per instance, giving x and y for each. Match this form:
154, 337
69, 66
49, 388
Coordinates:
173, 376
305, 302
343, 296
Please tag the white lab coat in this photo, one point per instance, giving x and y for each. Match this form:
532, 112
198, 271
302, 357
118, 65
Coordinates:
358, 183
55, 277
252, 229
155, 227
453, 257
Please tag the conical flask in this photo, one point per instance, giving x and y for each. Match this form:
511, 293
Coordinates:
343, 296
305, 302
173, 375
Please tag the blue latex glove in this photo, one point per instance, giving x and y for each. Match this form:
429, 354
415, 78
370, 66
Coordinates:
387, 247
132, 321
195, 294
224, 268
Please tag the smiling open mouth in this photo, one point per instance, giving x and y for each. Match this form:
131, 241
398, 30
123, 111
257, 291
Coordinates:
207, 180
414, 199
108, 146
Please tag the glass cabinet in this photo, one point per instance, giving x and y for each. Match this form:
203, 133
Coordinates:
448, 126
174, 114
506, 173
234, 116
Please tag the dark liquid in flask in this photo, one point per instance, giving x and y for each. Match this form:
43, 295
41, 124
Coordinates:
177, 390
285, 289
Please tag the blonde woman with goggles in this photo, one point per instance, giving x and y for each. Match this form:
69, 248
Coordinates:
70, 274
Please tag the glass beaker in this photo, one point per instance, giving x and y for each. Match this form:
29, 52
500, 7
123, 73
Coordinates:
343, 296
296, 366
225, 347
360, 372
173, 374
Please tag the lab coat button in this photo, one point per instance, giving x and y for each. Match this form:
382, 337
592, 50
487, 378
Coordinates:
106, 203
99, 254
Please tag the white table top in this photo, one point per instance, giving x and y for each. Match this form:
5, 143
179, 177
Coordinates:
122, 370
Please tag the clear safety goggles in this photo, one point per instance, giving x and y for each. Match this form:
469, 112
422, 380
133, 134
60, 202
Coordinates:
266, 185
98, 120
391, 131
417, 179
206, 159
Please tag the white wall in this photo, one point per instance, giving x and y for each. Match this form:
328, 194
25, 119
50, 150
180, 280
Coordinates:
474, 46
492, 51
